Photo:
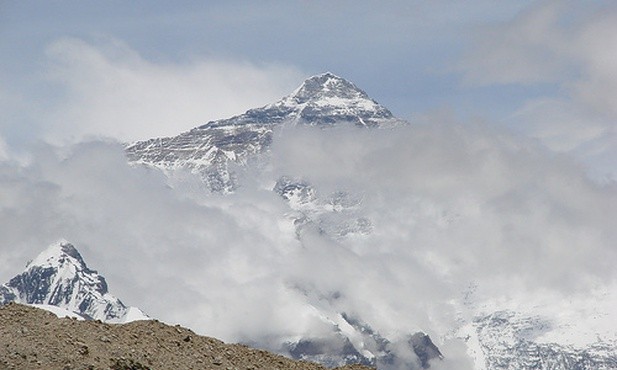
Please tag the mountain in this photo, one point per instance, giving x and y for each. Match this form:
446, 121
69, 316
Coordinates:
208, 150
218, 150
59, 279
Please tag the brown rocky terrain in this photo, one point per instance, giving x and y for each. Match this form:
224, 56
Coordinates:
32, 338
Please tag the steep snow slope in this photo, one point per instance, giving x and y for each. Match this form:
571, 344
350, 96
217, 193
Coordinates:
506, 340
541, 333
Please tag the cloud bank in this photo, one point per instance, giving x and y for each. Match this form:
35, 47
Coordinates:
452, 205
458, 192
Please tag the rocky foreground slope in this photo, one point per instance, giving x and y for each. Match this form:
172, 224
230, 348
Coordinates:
31, 338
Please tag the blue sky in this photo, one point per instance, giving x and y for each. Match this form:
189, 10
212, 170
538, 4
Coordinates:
399, 52
526, 65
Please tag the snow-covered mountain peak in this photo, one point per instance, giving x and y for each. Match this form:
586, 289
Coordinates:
328, 99
59, 254
59, 277
324, 100
326, 85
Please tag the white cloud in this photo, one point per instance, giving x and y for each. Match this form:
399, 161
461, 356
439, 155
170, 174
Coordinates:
595, 46
527, 49
557, 44
557, 123
455, 192
110, 90
158, 250
450, 204
4, 155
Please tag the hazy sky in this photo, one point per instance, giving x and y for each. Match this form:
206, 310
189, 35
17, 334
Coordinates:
506, 179
134, 70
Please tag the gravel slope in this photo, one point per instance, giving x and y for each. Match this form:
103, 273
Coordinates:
31, 338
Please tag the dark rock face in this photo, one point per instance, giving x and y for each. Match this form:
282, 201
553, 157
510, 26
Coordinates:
34, 285
424, 348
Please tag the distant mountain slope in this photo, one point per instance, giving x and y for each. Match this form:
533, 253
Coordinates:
506, 340
59, 277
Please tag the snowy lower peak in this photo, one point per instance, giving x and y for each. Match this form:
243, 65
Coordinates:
59, 278
212, 150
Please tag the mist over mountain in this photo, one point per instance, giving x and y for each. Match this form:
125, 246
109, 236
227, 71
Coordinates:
322, 222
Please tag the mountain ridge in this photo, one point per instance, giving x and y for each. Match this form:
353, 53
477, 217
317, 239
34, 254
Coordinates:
208, 150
